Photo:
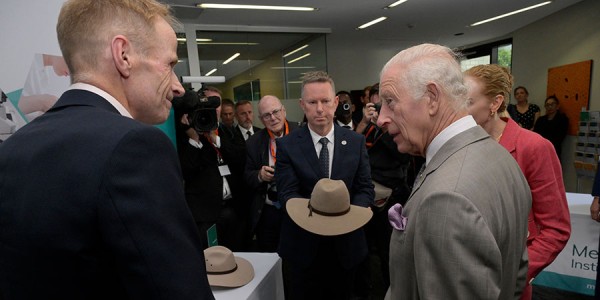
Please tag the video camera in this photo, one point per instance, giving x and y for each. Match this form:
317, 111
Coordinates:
201, 110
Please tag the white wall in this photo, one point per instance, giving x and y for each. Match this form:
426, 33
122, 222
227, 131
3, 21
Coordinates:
568, 36
28, 27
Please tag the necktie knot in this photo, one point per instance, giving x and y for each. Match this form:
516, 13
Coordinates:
249, 133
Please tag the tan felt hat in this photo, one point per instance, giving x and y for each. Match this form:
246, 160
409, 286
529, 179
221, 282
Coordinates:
225, 270
328, 211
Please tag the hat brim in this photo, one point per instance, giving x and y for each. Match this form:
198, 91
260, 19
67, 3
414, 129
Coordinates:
297, 209
240, 277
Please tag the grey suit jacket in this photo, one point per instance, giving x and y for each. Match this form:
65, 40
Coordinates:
467, 225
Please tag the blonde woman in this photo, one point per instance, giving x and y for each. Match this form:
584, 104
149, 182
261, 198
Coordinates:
549, 221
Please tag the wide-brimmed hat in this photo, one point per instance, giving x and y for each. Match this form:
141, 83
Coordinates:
328, 211
226, 270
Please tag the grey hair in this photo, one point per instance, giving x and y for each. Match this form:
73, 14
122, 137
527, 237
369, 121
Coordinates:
428, 63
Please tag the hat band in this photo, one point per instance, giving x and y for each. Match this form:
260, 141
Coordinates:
222, 272
327, 214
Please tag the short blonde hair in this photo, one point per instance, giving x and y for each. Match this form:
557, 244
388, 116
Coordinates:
317, 76
496, 80
86, 26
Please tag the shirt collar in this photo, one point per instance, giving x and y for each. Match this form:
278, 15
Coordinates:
342, 124
449, 132
103, 94
315, 137
244, 130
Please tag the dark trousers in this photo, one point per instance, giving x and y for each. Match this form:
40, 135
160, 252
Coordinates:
229, 230
268, 229
324, 278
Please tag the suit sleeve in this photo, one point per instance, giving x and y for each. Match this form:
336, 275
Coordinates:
551, 227
253, 164
363, 191
456, 255
285, 175
146, 223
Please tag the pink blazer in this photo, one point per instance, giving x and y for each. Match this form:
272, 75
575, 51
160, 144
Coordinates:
549, 219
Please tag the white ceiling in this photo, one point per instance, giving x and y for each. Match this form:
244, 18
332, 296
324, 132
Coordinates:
413, 22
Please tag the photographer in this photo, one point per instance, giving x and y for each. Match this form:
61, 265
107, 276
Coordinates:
211, 167
343, 113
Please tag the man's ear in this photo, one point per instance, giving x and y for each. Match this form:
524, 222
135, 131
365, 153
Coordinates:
433, 94
121, 54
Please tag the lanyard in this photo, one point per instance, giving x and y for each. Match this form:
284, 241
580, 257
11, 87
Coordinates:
272, 141
376, 137
219, 156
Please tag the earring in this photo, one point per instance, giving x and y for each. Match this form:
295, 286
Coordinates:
492, 113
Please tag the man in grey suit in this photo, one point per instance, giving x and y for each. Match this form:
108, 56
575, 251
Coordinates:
463, 230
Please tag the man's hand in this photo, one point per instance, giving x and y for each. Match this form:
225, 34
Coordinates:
266, 174
595, 209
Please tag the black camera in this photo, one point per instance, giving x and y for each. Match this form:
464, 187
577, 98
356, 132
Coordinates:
377, 107
201, 110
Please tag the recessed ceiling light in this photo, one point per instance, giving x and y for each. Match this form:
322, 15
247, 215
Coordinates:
299, 58
262, 7
294, 51
197, 40
228, 43
395, 4
510, 13
210, 72
363, 26
231, 58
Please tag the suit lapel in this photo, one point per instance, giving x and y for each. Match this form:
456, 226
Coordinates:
264, 147
340, 150
456, 143
307, 149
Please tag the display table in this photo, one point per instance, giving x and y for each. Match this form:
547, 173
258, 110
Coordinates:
266, 285
574, 269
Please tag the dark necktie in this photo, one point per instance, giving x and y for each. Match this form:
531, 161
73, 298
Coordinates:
347, 127
249, 133
324, 157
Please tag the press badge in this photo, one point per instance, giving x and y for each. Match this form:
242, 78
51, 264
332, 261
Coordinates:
224, 170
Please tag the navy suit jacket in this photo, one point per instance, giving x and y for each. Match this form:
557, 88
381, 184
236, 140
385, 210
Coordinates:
296, 173
92, 207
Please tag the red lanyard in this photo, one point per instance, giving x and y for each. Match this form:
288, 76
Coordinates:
375, 139
219, 156
272, 141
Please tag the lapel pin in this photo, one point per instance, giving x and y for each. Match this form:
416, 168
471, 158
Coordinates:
344, 142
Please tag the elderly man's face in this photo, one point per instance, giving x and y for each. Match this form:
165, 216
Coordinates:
406, 119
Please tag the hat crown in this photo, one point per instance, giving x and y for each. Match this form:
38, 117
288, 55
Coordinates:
219, 259
330, 196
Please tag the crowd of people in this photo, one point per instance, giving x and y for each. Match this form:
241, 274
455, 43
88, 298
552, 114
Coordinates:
467, 202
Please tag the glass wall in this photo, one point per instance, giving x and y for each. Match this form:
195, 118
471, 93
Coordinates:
264, 63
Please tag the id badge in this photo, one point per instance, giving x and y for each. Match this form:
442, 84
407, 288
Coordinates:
224, 170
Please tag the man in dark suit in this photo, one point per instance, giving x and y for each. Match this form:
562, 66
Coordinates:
244, 117
345, 108
92, 197
322, 267
213, 164
259, 173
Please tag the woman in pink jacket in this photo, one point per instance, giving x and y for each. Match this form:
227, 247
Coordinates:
549, 220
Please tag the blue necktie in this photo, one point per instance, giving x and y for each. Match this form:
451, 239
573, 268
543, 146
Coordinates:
324, 157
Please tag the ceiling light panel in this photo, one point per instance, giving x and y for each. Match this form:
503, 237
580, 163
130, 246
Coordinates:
363, 26
510, 13
260, 7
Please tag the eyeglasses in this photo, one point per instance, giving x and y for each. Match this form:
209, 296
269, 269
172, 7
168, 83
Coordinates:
551, 104
274, 114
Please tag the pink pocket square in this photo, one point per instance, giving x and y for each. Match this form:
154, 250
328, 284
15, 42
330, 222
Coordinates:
397, 220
